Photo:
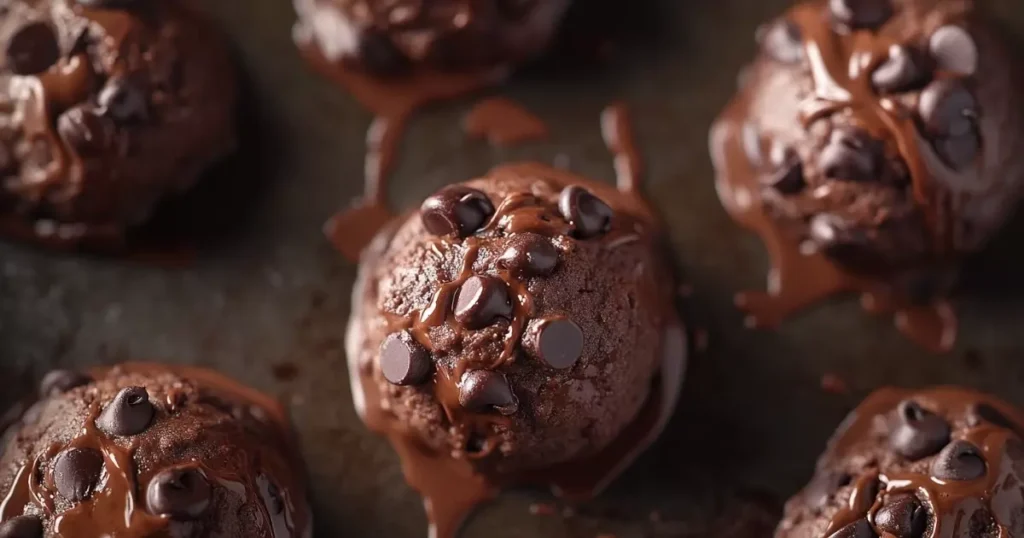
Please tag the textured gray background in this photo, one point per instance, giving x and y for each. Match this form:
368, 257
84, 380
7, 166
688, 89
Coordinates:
270, 291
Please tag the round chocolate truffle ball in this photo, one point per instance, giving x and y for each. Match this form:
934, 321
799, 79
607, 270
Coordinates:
883, 134
939, 462
517, 321
386, 37
106, 108
143, 450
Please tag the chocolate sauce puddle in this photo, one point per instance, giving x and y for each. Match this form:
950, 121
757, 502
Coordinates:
796, 279
503, 122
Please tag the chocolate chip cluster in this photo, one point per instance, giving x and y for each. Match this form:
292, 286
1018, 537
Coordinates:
138, 99
513, 320
113, 456
914, 467
881, 126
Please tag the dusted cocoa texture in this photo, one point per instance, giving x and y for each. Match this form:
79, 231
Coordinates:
106, 108
144, 450
942, 462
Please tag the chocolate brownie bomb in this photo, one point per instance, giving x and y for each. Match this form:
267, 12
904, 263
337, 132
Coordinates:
143, 450
934, 463
386, 37
106, 108
516, 325
880, 136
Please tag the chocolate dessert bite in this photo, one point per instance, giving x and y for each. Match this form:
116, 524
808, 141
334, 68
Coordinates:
873, 147
145, 450
391, 38
106, 108
519, 329
939, 462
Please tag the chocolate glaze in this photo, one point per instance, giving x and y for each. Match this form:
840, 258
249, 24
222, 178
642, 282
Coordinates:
503, 122
990, 506
102, 133
237, 440
455, 481
827, 74
617, 131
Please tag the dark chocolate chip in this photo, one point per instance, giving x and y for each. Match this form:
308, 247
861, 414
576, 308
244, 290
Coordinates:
379, 55
959, 461
836, 237
456, 210
556, 341
861, 14
954, 50
22, 527
918, 433
851, 155
271, 495
85, 130
588, 214
980, 413
182, 493
949, 114
32, 49
482, 300
902, 516
788, 174
858, 529
529, 255
130, 413
782, 41
61, 381
904, 70
403, 360
480, 390
76, 472
123, 100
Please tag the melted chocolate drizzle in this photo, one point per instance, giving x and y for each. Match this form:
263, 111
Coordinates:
840, 65
503, 122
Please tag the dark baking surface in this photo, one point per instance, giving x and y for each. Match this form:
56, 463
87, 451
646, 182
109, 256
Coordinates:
268, 299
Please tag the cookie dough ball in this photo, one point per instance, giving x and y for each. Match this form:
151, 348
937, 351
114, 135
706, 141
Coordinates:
387, 37
942, 462
106, 108
515, 320
145, 450
885, 133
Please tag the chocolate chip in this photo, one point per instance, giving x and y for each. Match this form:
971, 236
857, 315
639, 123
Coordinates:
836, 237
130, 413
123, 100
271, 495
403, 360
858, 529
32, 49
959, 461
782, 41
788, 174
76, 472
529, 255
61, 381
379, 55
980, 413
750, 136
851, 155
860, 14
588, 214
954, 50
949, 113
902, 516
480, 390
85, 130
918, 432
904, 70
456, 210
22, 527
482, 300
182, 493
556, 341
